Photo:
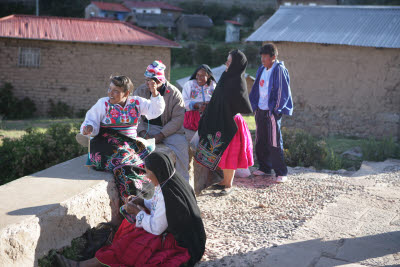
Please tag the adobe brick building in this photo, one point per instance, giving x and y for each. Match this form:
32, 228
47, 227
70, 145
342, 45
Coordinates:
344, 65
70, 60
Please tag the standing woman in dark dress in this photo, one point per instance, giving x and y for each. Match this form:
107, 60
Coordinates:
224, 138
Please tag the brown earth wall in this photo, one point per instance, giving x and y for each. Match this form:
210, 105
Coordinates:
75, 73
343, 90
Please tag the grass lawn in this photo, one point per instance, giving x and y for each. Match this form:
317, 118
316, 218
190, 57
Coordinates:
16, 128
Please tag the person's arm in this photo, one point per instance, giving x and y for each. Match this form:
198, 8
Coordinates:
152, 108
281, 90
177, 116
94, 117
155, 223
186, 96
140, 92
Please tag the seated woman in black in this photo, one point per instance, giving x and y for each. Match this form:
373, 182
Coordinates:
170, 233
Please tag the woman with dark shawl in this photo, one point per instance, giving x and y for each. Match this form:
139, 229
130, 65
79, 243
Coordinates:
224, 138
196, 94
166, 230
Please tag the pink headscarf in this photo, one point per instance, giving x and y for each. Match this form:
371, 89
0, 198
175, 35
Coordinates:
156, 70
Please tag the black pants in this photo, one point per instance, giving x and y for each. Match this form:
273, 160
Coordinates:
269, 144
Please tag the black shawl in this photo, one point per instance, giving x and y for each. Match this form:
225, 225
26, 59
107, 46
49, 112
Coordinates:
217, 126
207, 69
183, 214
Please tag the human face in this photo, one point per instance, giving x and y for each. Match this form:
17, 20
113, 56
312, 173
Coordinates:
152, 177
202, 77
153, 84
228, 62
117, 95
267, 60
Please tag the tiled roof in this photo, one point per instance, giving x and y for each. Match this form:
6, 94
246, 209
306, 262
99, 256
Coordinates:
371, 26
79, 30
111, 6
151, 4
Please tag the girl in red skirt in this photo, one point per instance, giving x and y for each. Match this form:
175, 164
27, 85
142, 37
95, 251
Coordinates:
166, 230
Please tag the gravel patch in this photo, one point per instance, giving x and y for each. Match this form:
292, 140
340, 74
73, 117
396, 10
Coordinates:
261, 213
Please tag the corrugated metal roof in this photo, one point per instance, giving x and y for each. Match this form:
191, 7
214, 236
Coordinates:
372, 26
79, 30
151, 4
154, 20
111, 6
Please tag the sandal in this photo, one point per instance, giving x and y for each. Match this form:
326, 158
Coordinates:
226, 191
217, 187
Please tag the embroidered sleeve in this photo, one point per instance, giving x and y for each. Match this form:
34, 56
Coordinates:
156, 222
147, 203
186, 95
94, 116
152, 108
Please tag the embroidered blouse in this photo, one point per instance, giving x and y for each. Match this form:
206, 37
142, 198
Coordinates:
192, 93
155, 222
124, 119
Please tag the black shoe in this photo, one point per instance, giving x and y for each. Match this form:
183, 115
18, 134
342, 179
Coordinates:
226, 191
217, 187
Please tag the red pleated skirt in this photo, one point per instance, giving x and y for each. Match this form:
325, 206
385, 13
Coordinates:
239, 153
133, 246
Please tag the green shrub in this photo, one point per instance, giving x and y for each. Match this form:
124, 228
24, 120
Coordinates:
36, 151
203, 54
252, 54
13, 108
380, 150
302, 149
60, 110
220, 54
182, 56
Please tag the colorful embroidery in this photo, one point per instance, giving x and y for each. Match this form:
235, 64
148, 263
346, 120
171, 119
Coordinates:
208, 151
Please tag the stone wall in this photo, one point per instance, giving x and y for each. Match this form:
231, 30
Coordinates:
346, 90
75, 73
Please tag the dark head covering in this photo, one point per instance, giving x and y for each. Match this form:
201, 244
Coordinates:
183, 214
207, 69
217, 126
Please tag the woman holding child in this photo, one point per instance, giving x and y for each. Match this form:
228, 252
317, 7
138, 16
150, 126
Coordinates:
113, 122
225, 140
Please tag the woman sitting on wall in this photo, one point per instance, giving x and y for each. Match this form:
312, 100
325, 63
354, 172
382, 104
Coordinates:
196, 95
113, 121
170, 233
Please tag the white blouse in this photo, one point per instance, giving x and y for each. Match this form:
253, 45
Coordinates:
155, 222
105, 113
192, 93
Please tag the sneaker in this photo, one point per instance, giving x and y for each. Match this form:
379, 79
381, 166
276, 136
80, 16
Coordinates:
281, 179
261, 173
82, 139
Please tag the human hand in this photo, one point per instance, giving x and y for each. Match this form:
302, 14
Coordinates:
136, 200
152, 87
202, 107
88, 129
132, 208
159, 137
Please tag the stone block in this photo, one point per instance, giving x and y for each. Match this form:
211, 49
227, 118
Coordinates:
48, 209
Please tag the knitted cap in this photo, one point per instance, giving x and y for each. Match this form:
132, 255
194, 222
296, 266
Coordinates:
156, 70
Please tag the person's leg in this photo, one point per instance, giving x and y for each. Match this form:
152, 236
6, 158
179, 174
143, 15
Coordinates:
228, 178
178, 144
276, 148
262, 137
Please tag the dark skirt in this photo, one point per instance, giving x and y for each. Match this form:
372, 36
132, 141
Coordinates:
124, 157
